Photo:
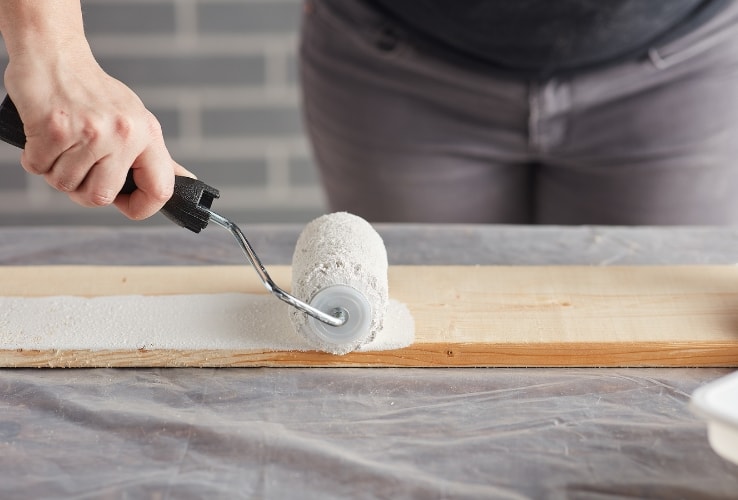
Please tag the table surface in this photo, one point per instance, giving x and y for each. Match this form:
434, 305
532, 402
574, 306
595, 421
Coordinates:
361, 433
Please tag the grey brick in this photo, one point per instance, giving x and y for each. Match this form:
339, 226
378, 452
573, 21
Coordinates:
222, 174
169, 120
267, 17
14, 177
303, 172
256, 121
194, 70
122, 17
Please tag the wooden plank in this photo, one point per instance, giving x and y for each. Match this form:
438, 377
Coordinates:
465, 315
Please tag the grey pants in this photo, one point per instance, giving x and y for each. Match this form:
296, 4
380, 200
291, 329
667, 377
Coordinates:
400, 134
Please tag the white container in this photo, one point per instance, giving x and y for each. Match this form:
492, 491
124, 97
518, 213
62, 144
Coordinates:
717, 402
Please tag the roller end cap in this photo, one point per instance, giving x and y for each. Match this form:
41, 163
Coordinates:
357, 328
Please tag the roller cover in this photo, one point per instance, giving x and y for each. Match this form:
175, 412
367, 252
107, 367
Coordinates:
340, 249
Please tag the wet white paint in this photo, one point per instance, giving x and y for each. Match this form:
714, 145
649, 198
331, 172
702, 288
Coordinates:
214, 321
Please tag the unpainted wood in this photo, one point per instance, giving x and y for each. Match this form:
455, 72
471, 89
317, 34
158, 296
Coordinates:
465, 315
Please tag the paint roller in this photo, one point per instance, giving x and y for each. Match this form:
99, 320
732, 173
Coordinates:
339, 264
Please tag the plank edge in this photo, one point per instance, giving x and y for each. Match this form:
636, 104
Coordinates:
421, 355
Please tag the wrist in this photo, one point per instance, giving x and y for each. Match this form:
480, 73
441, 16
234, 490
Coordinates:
41, 27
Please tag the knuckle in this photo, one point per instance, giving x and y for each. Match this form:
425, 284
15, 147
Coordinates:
153, 125
102, 197
63, 185
58, 128
33, 166
123, 126
91, 130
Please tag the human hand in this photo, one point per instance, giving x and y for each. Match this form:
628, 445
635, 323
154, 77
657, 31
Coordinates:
85, 130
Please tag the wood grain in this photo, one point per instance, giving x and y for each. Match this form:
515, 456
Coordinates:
465, 315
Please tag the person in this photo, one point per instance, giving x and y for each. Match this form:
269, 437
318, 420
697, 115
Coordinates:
566, 112
84, 129
528, 111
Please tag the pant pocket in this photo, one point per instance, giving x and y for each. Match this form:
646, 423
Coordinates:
715, 32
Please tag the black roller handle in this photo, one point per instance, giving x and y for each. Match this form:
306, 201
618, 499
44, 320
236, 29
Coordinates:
188, 207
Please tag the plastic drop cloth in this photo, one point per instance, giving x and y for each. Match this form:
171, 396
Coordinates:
361, 433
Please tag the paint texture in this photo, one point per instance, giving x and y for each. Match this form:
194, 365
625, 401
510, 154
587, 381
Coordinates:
340, 249
246, 322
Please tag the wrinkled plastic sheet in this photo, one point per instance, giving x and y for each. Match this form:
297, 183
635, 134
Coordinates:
361, 433
356, 433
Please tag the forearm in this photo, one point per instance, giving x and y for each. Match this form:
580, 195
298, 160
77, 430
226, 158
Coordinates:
41, 25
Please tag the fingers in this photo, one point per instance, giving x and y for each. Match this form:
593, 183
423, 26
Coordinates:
93, 169
156, 191
85, 131
102, 183
45, 145
153, 172
70, 168
85, 156
180, 170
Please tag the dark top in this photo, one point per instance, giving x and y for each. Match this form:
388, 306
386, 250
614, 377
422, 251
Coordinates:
546, 37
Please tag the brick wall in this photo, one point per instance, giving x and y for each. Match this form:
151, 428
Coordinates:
221, 77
